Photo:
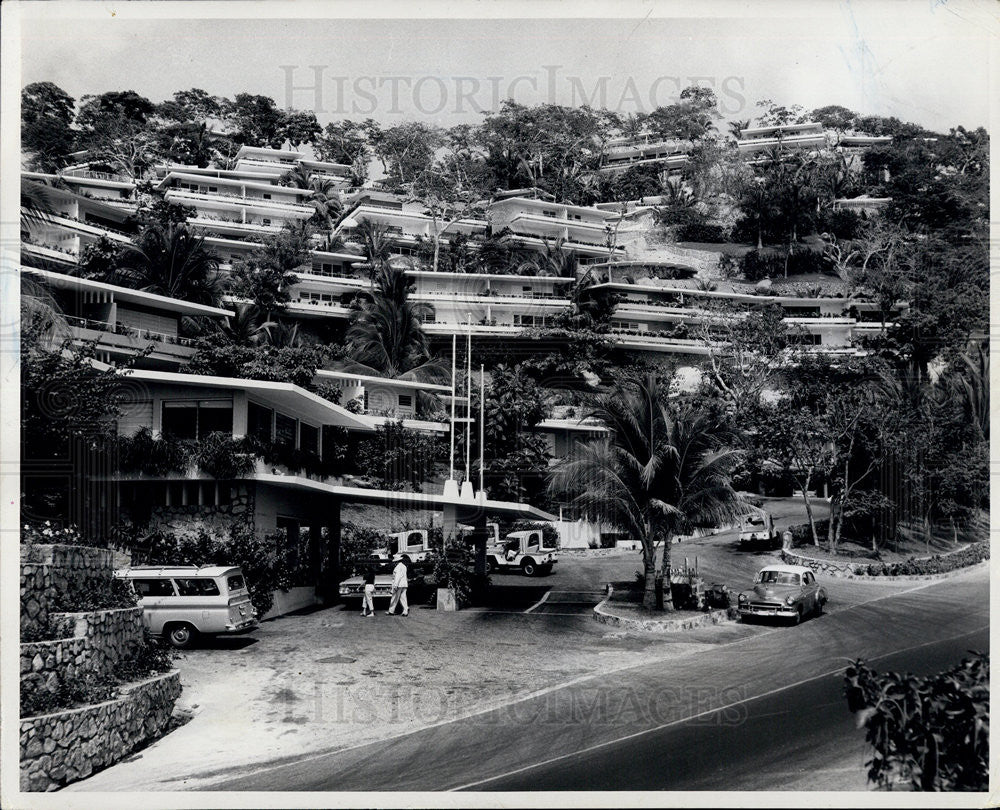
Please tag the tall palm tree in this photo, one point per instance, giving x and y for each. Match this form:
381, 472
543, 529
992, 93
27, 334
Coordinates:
385, 337
322, 197
171, 261
665, 468
377, 244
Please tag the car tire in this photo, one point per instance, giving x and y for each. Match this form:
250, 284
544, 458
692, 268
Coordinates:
181, 635
491, 566
797, 618
529, 568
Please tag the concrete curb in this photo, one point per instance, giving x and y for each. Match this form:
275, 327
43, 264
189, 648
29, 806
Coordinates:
674, 625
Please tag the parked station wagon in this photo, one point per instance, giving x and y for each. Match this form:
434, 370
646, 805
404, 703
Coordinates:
783, 591
183, 602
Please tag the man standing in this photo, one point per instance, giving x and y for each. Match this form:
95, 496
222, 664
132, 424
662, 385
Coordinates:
399, 585
786, 540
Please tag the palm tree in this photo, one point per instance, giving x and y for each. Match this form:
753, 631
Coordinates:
246, 328
171, 261
736, 127
323, 195
589, 309
554, 260
282, 335
37, 204
385, 337
377, 244
664, 468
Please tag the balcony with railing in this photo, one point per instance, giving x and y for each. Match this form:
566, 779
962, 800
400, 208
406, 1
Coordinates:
106, 332
238, 202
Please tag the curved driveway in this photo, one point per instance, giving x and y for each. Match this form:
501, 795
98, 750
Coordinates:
608, 731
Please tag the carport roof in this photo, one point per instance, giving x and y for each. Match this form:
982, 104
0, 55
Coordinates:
411, 500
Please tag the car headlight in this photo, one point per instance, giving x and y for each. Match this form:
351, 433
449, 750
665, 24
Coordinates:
789, 600
743, 597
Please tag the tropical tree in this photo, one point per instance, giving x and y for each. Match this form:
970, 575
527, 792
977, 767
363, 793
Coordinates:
665, 468
553, 260
323, 196
376, 243
385, 337
171, 261
46, 125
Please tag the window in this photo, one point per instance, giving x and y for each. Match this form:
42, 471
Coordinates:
284, 430
265, 221
195, 419
405, 400
213, 189
259, 421
153, 587
180, 420
266, 196
197, 586
308, 437
235, 583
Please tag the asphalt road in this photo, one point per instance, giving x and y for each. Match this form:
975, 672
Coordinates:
764, 712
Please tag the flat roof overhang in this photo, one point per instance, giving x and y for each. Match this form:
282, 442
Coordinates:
430, 502
126, 294
284, 396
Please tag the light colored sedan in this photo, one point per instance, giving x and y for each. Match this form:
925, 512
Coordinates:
783, 591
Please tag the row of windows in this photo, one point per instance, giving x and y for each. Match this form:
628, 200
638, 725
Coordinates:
534, 320
196, 419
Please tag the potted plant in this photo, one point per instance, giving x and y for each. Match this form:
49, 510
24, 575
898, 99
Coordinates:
453, 576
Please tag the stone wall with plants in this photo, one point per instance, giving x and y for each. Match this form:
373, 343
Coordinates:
913, 568
65, 746
92, 685
52, 573
110, 636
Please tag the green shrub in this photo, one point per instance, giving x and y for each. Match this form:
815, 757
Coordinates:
454, 570
702, 232
69, 693
357, 542
141, 453
49, 533
938, 564
152, 657
222, 456
263, 559
932, 732
104, 594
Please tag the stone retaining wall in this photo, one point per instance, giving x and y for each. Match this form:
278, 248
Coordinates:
44, 664
189, 521
51, 571
110, 635
850, 570
65, 746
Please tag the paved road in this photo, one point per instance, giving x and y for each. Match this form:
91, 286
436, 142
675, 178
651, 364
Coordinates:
594, 729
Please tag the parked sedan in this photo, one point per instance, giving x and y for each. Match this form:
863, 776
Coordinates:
783, 591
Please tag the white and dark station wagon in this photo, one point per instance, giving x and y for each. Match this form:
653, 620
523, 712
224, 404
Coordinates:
181, 603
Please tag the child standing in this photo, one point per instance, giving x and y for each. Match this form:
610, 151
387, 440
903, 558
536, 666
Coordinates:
368, 607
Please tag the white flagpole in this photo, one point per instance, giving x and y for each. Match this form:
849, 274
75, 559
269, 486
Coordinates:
482, 421
468, 405
451, 454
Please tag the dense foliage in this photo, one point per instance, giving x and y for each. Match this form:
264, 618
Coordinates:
930, 733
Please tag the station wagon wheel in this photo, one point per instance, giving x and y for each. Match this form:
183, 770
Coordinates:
528, 566
491, 566
181, 635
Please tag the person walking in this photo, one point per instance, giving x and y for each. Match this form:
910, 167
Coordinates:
368, 606
399, 585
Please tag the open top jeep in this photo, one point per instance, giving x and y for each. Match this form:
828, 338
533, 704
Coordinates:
524, 551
